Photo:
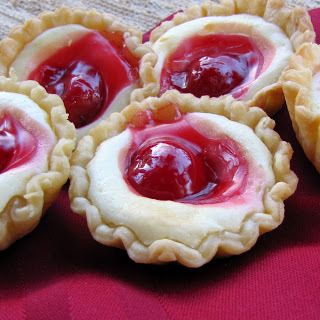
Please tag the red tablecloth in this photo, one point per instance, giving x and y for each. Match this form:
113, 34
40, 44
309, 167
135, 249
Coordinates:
60, 272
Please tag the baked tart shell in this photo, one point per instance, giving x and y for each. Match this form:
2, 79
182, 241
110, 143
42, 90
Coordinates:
224, 243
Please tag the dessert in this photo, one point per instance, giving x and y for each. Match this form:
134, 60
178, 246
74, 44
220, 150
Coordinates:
36, 142
89, 59
234, 47
301, 85
178, 178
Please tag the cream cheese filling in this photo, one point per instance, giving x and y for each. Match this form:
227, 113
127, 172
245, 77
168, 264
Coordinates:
151, 219
260, 31
13, 182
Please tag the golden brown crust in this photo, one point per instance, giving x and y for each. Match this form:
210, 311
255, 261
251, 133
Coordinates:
297, 86
11, 46
165, 250
294, 21
23, 212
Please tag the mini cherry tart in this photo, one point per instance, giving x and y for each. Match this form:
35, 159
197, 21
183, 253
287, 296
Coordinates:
176, 162
34, 154
203, 57
189, 185
89, 62
301, 84
242, 54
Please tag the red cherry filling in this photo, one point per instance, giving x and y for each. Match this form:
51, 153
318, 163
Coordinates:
212, 65
176, 162
81, 88
167, 170
88, 75
17, 145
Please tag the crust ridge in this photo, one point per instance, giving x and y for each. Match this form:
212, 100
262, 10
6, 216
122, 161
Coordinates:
297, 86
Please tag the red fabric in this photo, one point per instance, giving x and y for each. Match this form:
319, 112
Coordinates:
315, 18
60, 272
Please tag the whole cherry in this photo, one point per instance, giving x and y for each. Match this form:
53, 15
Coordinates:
166, 169
81, 88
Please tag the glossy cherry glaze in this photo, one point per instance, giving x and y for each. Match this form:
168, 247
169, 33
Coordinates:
81, 88
17, 145
176, 162
212, 65
88, 74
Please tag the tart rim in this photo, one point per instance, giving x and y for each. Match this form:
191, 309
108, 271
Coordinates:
21, 35
295, 21
297, 87
164, 250
23, 212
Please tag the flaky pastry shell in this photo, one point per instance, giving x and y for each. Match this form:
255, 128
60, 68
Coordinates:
294, 22
19, 37
23, 211
220, 243
297, 87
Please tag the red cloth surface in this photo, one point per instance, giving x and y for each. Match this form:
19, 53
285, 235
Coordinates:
60, 272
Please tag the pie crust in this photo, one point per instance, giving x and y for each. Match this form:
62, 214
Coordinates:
301, 94
12, 46
229, 238
23, 203
293, 21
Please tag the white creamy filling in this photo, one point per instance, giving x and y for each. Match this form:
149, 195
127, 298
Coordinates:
13, 182
315, 94
258, 29
154, 219
46, 45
